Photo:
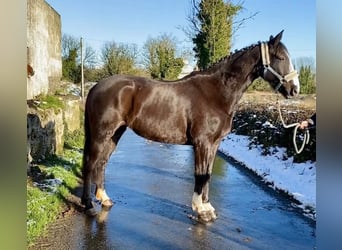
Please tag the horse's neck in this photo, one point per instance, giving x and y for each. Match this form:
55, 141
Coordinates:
239, 74
244, 69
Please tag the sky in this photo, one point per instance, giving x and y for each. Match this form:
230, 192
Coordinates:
134, 21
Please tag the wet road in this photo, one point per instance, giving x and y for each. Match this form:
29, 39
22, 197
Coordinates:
152, 185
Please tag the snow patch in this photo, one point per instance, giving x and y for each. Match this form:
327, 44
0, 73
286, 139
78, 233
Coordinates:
296, 179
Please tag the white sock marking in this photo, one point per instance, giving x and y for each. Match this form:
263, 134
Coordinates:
197, 204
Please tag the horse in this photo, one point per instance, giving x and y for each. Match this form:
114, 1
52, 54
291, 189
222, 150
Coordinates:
195, 110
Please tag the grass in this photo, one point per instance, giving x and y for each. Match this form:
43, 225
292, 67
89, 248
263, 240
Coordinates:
45, 201
74, 139
42, 209
50, 101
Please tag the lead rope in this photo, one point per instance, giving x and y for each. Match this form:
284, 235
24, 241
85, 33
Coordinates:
296, 126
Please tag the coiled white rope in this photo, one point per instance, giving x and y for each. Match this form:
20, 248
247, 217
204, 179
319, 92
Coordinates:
296, 126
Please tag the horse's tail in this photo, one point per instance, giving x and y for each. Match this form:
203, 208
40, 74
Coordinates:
86, 140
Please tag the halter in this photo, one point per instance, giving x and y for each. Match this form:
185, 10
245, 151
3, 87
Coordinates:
265, 57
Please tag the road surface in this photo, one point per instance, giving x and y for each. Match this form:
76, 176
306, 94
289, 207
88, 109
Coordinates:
152, 185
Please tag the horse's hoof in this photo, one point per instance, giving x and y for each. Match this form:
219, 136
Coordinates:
207, 216
103, 215
85, 201
91, 212
213, 215
204, 217
107, 203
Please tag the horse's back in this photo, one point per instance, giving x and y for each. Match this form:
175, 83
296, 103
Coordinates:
110, 99
112, 87
112, 83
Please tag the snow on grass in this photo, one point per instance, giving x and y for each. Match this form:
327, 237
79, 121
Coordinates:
296, 179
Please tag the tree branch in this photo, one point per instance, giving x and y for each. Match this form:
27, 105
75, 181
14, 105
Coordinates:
239, 24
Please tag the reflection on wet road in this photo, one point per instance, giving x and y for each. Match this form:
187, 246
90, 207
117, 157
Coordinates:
152, 185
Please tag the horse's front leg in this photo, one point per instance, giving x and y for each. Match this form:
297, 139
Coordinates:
207, 205
204, 159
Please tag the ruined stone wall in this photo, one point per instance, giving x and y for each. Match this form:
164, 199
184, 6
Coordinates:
72, 114
46, 128
43, 47
45, 133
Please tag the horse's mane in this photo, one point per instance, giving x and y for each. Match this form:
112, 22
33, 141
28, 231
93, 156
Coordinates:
232, 56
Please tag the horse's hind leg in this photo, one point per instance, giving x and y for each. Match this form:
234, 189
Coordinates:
99, 173
90, 159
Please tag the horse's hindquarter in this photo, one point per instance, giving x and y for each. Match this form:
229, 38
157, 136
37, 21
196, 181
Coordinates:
108, 103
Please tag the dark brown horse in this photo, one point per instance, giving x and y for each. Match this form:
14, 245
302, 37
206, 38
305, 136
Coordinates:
195, 110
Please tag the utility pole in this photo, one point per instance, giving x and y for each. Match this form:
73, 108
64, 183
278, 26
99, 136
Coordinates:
82, 76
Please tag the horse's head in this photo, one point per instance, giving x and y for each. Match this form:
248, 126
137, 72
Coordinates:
278, 68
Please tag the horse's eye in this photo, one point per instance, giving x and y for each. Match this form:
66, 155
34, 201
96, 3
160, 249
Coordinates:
279, 57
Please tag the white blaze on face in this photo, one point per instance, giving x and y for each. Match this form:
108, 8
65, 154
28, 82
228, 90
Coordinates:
291, 69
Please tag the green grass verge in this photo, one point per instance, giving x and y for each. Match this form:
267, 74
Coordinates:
42, 209
74, 140
45, 202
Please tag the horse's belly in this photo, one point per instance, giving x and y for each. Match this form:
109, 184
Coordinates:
167, 131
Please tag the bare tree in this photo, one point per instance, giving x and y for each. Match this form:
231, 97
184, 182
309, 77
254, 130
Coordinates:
119, 58
160, 57
71, 43
90, 57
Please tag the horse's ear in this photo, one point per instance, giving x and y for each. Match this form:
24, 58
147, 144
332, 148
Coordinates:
275, 40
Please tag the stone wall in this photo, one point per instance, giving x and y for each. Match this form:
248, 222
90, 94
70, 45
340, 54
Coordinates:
46, 128
72, 114
43, 47
45, 131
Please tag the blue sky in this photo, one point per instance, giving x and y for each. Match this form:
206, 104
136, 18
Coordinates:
133, 21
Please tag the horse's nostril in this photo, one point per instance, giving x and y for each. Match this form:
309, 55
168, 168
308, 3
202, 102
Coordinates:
294, 92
